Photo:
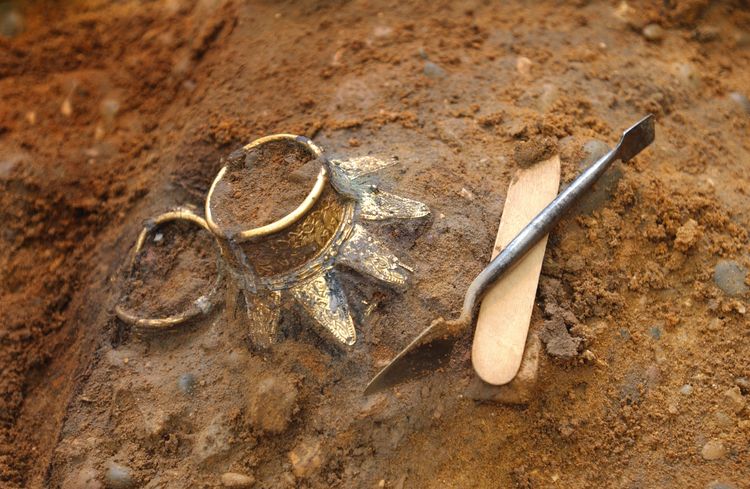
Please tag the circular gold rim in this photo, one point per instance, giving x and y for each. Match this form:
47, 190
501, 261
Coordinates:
290, 218
156, 324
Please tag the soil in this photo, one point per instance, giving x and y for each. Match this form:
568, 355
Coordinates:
111, 113
243, 199
176, 266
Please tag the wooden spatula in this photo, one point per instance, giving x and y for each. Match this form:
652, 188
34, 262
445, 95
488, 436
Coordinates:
505, 312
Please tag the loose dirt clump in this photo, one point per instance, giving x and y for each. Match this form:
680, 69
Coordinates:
527, 153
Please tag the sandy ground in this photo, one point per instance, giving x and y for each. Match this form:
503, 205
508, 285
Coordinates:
115, 112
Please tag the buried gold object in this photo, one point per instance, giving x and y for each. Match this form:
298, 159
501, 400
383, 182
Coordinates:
294, 259
201, 305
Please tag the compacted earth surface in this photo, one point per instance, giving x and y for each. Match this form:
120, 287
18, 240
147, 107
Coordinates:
114, 112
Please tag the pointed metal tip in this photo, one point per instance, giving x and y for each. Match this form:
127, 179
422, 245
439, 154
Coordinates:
636, 138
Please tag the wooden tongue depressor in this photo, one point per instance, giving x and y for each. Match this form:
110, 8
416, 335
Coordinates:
505, 312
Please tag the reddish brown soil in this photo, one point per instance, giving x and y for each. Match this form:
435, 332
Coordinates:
114, 112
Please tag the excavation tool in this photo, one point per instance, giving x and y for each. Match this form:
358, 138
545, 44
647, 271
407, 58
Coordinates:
431, 349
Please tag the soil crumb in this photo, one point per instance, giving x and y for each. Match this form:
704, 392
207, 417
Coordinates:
242, 200
558, 341
526, 153
174, 268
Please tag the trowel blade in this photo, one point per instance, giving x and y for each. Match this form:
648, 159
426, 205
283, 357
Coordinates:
428, 352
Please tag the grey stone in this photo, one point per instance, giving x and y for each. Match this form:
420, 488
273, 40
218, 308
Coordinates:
550, 94
186, 382
741, 39
741, 100
707, 33
722, 419
730, 277
720, 485
653, 32
118, 476
213, 441
433, 70
687, 75
84, 478
686, 390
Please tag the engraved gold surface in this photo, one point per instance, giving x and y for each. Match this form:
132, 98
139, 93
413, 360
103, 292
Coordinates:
377, 205
294, 259
364, 253
263, 313
323, 299
360, 166
299, 243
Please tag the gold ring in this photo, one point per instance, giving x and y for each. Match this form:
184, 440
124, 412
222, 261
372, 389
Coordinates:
202, 305
290, 218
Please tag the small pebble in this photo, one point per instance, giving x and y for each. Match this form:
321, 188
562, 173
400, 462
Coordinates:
233, 479
306, 458
11, 22
687, 75
740, 99
467, 194
713, 450
686, 390
186, 383
158, 237
602, 191
550, 94
707, 33
653, 32
118, 476
720, 485
734, 398
741, 39
272, 404
523, 65
730, 277
655, 332
715, 324
66, 108
722, 419
85, 478
432, 70
744, 384
109, 109
214, 440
